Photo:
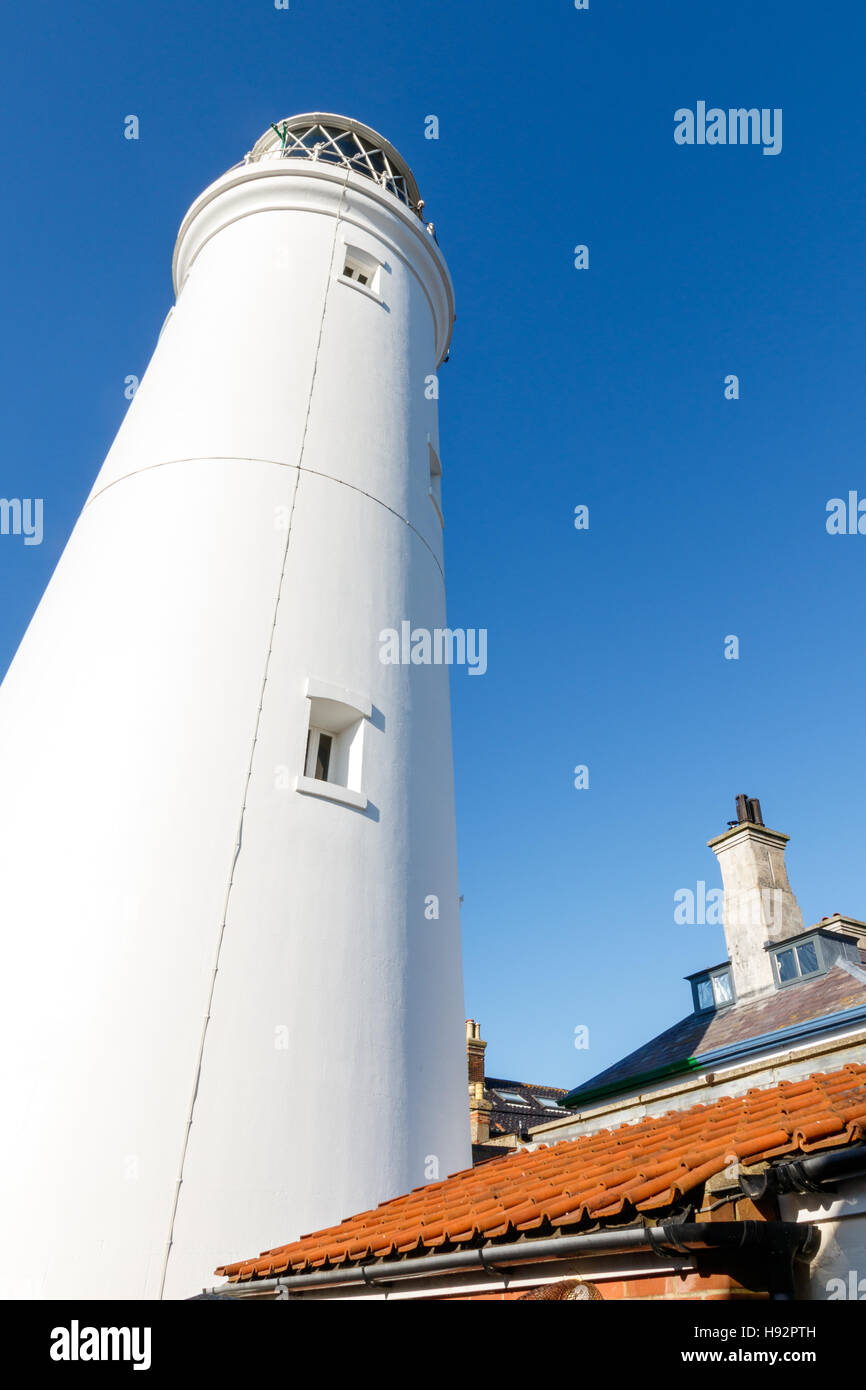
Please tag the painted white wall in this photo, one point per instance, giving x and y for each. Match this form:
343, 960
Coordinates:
837, 1272
129, 720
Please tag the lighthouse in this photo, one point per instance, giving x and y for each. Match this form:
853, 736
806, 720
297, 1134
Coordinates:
232, 1005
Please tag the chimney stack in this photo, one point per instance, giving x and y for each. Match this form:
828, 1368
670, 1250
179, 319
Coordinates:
479, 1108
759, 903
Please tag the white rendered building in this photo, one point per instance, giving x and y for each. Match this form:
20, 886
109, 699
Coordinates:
230, 1013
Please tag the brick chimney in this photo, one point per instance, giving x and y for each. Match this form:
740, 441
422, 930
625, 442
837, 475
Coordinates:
759, 903
479, 1108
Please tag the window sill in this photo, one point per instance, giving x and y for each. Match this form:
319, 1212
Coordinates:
331, 791
800, 979
362, 289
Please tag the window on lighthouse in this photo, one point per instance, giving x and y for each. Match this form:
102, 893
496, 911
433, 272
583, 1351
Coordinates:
352, 273
334, 754
434, 489
360, 269
319, 745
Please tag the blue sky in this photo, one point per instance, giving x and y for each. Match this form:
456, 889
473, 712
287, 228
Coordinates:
604, 387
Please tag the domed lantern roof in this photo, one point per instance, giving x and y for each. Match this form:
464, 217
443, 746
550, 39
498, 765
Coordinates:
328, 139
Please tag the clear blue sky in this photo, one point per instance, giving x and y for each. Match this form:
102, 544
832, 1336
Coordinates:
602, 387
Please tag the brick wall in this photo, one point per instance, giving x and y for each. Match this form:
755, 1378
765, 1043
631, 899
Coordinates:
709, 1286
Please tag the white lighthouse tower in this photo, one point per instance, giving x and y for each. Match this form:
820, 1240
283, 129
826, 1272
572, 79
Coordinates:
231, 981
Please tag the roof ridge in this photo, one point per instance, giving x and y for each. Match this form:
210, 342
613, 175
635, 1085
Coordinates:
494, 1082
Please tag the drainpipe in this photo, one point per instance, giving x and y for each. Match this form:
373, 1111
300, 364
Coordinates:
779, 1243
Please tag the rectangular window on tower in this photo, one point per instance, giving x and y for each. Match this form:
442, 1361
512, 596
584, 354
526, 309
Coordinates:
355, 272
434, 489
361, 270
334, 752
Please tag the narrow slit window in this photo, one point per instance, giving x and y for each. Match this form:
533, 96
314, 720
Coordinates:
434, 488
318, 761
323, 757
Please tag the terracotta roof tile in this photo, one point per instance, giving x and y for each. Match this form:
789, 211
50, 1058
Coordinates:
639, 1167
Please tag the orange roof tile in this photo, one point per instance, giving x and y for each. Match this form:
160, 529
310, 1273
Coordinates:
639, 1167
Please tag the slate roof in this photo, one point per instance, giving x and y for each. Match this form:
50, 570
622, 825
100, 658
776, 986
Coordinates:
611, 1174
509, 1118
838, 990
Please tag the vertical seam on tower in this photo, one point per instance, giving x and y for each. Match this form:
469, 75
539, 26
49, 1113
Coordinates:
249, 772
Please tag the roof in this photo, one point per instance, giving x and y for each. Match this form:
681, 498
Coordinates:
680, 1048
612, 1174
510, 1117
331, 139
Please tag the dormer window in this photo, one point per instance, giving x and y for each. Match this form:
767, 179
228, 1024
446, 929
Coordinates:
794, 962
813, 953
712, 989
797, 961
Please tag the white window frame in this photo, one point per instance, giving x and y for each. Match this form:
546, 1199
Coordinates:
355, 262
343, 716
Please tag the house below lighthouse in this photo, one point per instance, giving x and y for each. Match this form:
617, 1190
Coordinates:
724, 1160
222, 814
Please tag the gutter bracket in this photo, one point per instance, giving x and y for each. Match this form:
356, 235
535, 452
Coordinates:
494, 1270
670, 1247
